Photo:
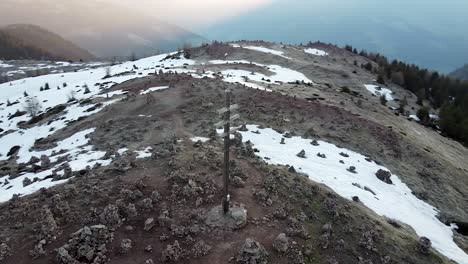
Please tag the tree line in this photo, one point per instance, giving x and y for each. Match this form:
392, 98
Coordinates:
441, 92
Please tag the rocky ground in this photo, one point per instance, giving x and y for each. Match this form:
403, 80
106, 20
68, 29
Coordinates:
161, 209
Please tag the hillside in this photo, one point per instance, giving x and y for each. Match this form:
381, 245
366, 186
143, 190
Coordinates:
124, 164
33, 42
106, 29
461, 73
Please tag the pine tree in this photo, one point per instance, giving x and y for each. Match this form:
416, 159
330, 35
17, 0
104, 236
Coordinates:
423, 115
403, 104
383, 99
380, 79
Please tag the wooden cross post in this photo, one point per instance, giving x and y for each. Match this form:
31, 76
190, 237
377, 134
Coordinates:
226, 135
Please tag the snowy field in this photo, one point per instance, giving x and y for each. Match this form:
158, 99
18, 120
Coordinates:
67, 90
12, 68
279, 74
76, 150
379, 91
393, 200
316, 52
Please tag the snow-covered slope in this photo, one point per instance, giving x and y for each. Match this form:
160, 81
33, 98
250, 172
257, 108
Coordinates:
80, 85
54, 90
394, 200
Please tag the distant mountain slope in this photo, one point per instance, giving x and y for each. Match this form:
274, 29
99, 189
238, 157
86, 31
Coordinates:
461, 73
104, 28
33, 42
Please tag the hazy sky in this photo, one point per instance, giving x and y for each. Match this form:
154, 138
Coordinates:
195, 14
431, 33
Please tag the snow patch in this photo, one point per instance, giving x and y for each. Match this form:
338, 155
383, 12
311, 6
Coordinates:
280, 74
267, 50
202, 139
379, 91
391, 200
154, 89
145, 153
316, 52
414, 117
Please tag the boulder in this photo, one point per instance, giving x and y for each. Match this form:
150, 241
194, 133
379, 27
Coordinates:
384, 176
424, 245
88, 244
110, 216
172, 252
26, 182
45, 162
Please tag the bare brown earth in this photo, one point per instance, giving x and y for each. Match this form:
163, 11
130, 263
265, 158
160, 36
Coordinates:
188, 175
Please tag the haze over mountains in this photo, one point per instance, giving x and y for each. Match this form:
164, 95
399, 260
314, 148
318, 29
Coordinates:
105, 29
431, 35
461, 73
428, 33
23, 41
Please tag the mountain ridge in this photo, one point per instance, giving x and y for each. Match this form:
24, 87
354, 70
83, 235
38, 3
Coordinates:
27, 41
460, 73
105, 29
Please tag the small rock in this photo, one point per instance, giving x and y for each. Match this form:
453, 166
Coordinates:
243, 128
314, 143
5, 251
369, 190
237, 182
281, 243
125, 246
344, 155
351, 169
149, 248
320, 155
301, 154
201, 249
155, 196
149, 224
